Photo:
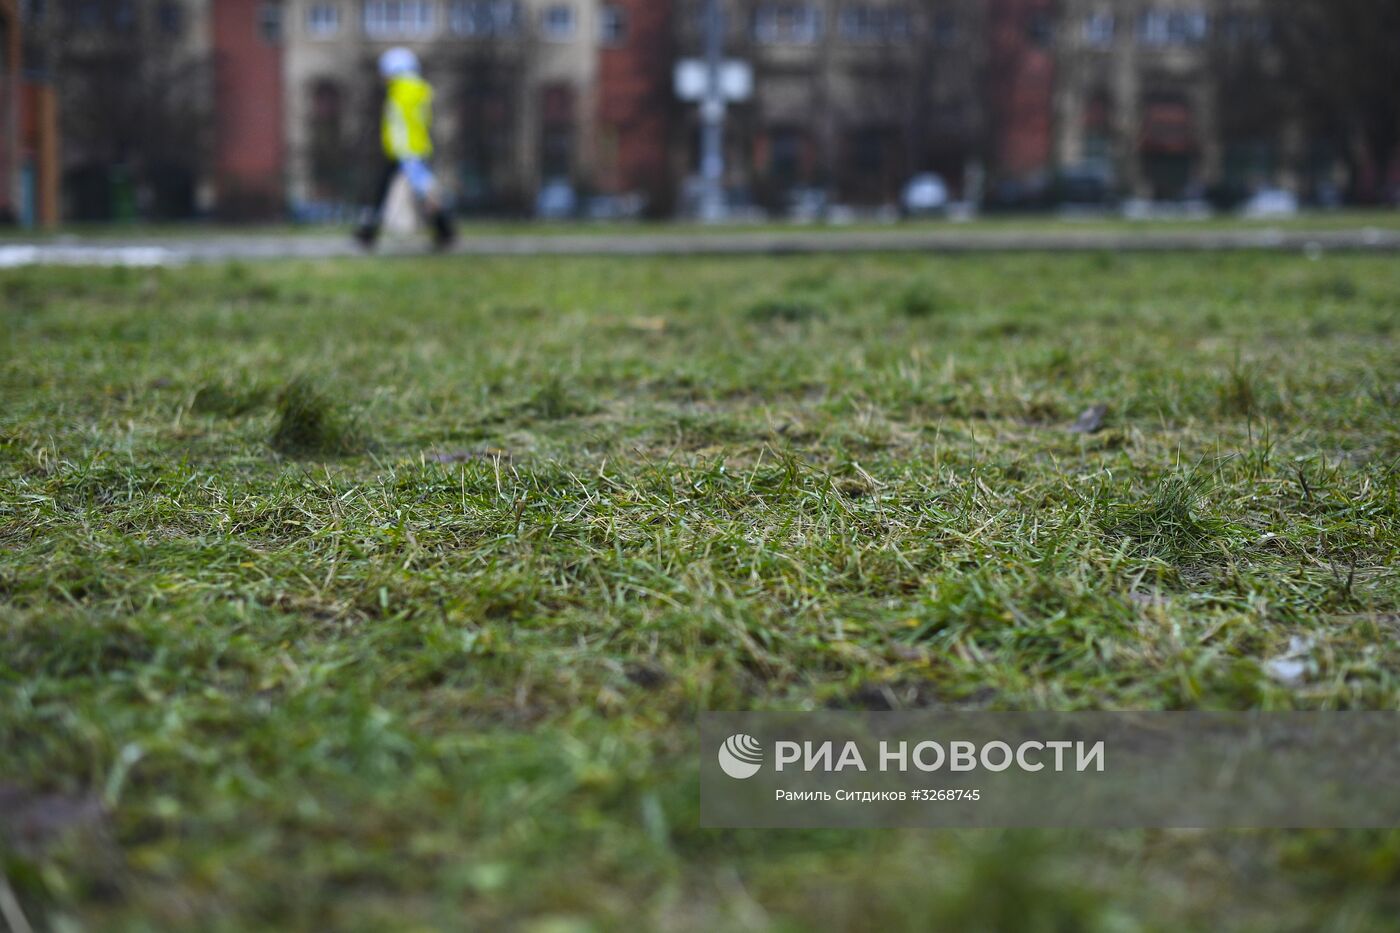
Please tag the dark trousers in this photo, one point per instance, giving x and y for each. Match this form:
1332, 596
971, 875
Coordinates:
369, 230
383, 181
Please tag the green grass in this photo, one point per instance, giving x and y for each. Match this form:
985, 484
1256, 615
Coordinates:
374, 595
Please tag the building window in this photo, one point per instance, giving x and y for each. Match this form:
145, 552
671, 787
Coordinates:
556, 130
1242, 28
170, 17
124, 16
858, 24
323, 20
1250, 163
787, 23
270, 21
331, 160
1040, 29
698, 20
870, 151
556, 151
399, 19
1189, 27
88, 14
1099, 29
558, 22
865, 23
1172, 27
484, 19
1098, 148
1152, 28
612, 25
1098, 130
785, 156
944, 30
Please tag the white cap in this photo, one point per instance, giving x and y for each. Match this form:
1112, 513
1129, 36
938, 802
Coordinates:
398, 61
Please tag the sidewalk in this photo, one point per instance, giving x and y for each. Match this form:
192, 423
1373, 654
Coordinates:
173, 250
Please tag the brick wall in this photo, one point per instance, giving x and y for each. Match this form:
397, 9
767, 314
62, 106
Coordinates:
1022, 74
248, 90
635, 104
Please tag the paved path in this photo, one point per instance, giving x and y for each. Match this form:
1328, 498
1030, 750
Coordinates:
157, 251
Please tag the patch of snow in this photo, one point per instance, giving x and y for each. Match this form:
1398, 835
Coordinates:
28, 254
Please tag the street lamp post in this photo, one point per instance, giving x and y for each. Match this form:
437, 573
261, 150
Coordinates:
712, 108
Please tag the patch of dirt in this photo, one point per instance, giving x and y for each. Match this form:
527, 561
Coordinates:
487, 454
908, 694
647, 675
1385, 620
33, 821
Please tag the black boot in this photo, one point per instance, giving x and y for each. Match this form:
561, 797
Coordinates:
444, 234
367, 234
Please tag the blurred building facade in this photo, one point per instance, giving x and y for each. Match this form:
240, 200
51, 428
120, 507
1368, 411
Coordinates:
133, 102
528, 92
850, 98
1171, 99
518, 90
248, 105
252, 108
29, 169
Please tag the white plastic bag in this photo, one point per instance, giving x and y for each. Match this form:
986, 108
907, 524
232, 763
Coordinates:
401, 214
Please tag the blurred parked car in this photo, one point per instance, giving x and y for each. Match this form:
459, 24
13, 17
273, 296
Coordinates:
1271, 202
924, 195
557, 200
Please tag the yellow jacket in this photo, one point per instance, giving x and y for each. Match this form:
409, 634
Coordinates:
408, 118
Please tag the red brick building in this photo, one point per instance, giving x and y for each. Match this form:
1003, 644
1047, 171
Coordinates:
249, 147
635, 100
1021, 84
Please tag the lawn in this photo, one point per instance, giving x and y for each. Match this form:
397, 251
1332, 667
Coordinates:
385, 594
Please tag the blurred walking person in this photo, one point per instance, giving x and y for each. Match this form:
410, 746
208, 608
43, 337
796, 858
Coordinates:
406, 135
